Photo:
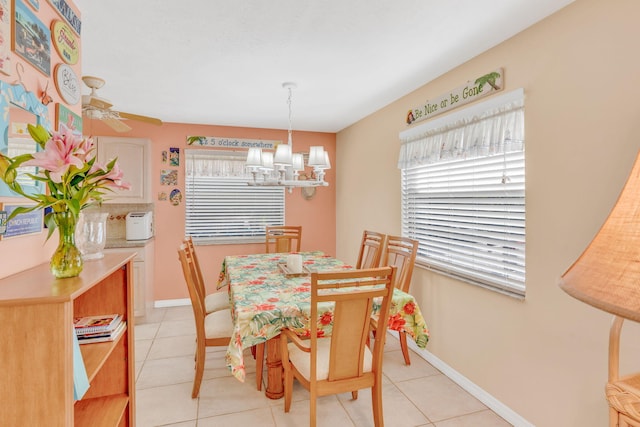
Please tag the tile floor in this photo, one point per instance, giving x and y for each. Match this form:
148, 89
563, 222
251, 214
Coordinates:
415, 395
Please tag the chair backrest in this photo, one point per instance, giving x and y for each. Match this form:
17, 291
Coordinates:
197, 302
401, 252
351, 317
191, 252
370, 249
283, 238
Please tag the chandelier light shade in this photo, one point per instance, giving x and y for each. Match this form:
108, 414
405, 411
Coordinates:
607, 274
254, 158
286, 163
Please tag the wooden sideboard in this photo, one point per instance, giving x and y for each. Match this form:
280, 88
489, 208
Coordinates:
36, 346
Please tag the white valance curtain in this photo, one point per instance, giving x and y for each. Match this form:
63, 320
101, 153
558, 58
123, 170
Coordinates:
216, 163
492, 127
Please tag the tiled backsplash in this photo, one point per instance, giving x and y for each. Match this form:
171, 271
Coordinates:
116, 228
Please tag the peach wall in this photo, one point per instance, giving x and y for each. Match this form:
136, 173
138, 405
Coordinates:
317, 216
544, 357
22, 252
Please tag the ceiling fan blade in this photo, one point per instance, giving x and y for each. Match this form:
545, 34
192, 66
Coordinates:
116, 124
146, 119
99, 103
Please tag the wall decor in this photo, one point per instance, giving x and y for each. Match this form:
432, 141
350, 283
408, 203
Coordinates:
45, 98
162, 196
24, 223
168, 177
35, 4
164, 156
68, 14
17, 103
65, 42
68, 119
175, 197
67, 83
3, 220
5, 36
482, 86
214, 141
174, 156
31, 39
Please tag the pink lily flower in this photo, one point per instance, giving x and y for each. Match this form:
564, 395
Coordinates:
116, 175
57, 157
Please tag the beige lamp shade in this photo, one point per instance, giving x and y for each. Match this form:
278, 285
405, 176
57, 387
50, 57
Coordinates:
607, 274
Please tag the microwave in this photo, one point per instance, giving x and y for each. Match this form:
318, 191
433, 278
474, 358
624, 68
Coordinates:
139, 225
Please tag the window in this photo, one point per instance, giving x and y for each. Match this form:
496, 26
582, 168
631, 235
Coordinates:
220, 206
463, 193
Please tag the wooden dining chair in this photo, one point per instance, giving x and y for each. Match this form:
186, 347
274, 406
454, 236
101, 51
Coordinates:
212, 329
283, 238
341, 362
214, 301
218, 301
370, 249
400, 252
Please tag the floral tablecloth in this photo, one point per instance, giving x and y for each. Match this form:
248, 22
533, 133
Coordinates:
264, 300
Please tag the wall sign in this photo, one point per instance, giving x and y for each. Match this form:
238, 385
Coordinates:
65, 42
67, 13
214, 141
24, 223
67, 84
479, 88
68, 119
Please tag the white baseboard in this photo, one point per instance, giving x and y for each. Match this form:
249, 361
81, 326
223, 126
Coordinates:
491, 402
163, 303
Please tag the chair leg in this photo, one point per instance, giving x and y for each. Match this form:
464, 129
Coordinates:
197, 380
288, 387
403, 346
376, 402
259, 350
312, 409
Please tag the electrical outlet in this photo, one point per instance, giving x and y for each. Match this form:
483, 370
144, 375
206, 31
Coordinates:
3, 222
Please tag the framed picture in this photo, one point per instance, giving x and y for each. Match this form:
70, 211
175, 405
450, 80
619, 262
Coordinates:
67, 118
31, 38
5, 36
168, 177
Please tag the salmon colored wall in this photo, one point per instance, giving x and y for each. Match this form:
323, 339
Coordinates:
317, 216
22, 252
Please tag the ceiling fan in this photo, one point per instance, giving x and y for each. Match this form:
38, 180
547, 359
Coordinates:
97, 108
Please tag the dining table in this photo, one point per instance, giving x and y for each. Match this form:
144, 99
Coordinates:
265, 297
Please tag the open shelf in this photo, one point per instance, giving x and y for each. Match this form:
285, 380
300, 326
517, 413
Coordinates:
101, 411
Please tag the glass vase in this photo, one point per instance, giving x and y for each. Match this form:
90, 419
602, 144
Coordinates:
67, 259
91, 234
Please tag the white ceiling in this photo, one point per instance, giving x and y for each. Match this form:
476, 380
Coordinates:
223, 62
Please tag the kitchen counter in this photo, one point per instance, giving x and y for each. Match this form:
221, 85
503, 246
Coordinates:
124, 243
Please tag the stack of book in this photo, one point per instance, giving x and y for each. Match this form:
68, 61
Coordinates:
92, 329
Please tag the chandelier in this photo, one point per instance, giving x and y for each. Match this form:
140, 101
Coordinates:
284, 167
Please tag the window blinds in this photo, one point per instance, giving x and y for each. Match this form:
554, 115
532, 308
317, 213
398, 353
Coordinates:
220, 206
463, 196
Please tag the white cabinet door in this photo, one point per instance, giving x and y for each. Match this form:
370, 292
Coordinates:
134, 158
143, 265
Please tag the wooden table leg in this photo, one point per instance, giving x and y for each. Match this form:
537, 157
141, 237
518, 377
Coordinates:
275, 377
